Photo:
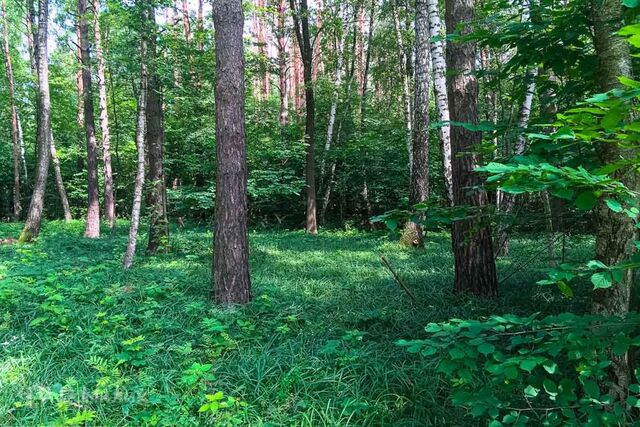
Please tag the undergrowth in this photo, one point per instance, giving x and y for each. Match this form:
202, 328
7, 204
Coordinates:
82, 343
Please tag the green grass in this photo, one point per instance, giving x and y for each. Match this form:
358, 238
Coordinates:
315, 348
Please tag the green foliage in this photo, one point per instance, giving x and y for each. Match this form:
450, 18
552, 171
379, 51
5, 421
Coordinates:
512, 370
314, 348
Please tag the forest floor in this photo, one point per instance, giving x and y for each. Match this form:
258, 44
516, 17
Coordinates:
82, 343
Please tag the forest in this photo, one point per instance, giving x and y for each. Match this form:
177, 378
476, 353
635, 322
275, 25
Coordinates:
319, 212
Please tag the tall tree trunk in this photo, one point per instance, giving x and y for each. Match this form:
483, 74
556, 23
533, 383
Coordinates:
232, 284
23, 160
15, 133
440, 88
34, 58
80, 106
508, 201
475, 269
141, 130
301, 25
158, 224
109, 202
34, 216
283, 66
92, 228
367, 64
419, 188
337, 83
615, 232
200, 25
66, 210
406, 91
186, 23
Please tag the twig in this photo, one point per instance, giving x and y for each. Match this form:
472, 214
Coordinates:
397, 279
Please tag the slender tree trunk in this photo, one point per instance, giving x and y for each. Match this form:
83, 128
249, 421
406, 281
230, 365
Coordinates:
406, 91
439, 64
367, 65
615, 232
232, 284
141, 130
34, 216
15, 132
158, 224
200, 25
186, 23
109, 202
283, 66
419, 188
34, 58
80, 111
92, 228
23, 160
66, 210
475, 269
508, 201
301, 25
337, 83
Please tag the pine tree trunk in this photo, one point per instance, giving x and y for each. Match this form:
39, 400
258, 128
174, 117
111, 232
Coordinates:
109, 202
615, 232
80, 111
301, 25
440, 88
283, 66
232, 284
475, 269
200, 25
34, 216
15, 133
92, 227
419, 188
158, 224
141, 130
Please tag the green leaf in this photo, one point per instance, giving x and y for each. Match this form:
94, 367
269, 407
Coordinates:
528, 364
511, 372
531, 391
486, 348
602, 280
586, 200
550, 366
565, 289
550, 387
614, 205
631, 3
456, 353
591, 388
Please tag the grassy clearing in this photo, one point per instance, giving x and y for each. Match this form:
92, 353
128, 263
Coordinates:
83, 343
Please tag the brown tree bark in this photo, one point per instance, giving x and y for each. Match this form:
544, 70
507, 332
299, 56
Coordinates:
141, 130
475, 269
109, 202
157, 196
283, 62
232, 284
34, 216
15, 133
92, 227
615, 232
200, 24
301, 25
